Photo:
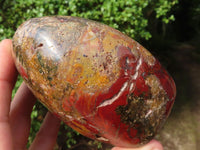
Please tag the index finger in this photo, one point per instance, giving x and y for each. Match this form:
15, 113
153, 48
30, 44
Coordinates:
8, 75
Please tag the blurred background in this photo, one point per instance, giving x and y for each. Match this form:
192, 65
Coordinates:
170, 29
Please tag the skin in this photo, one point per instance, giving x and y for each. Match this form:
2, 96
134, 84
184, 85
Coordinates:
15, 116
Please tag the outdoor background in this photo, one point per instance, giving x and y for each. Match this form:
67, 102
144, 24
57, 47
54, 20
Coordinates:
170, 29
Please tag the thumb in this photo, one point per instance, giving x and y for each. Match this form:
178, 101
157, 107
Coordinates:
152, 145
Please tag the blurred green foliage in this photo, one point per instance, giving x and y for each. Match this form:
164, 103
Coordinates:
195, 13
129, 16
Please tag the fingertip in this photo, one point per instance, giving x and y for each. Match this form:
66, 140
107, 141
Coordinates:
155, 145
6, 40
8, 71
116, 148
7, 46
152, 145
7, 43
50, 123
53, 117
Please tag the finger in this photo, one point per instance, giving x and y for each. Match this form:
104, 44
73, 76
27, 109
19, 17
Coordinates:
8, 75
46, 137
21, 108
152, 145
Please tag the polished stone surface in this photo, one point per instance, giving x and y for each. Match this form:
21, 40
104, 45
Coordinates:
97, 80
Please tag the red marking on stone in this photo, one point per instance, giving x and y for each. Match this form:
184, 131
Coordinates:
141, 88
61, 20
85, 103
169, 107
68, 103
165, 80
23, 72
127, 61
95, 29
56, 114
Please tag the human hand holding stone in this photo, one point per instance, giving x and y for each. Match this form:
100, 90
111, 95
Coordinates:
15, 116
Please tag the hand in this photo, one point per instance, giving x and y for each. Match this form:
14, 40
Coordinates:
15, 116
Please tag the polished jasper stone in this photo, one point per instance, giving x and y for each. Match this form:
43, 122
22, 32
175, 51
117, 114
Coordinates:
97, 80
